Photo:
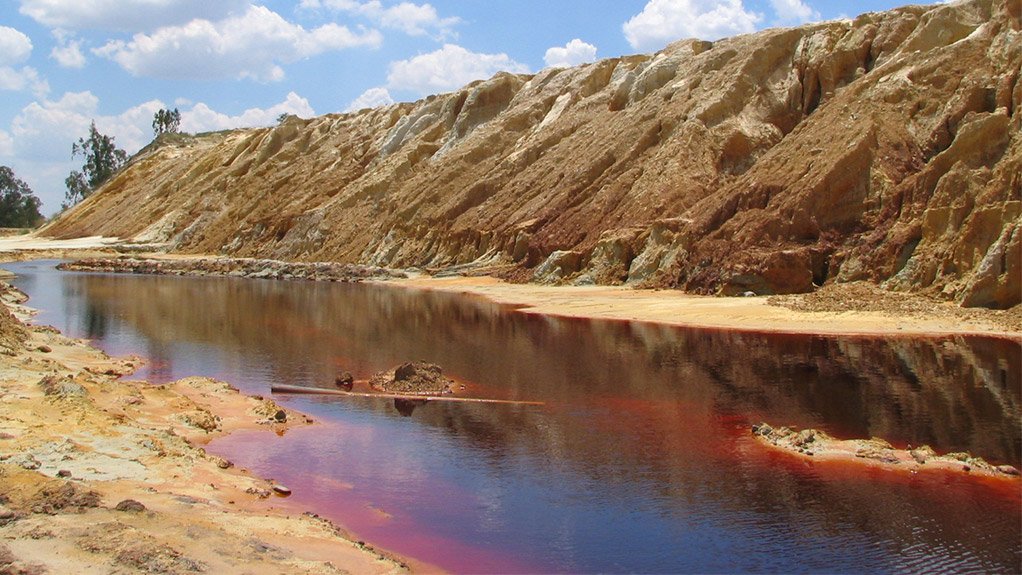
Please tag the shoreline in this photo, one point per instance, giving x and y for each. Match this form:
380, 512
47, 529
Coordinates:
100, 472
674, 308
873, 313
815, 445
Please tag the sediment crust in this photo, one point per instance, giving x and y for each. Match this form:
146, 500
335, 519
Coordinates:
816, 444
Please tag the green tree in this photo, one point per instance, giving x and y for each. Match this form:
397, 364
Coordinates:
102, 160
19, 208
166, 122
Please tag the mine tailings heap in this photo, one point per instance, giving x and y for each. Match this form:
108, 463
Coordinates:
884, 148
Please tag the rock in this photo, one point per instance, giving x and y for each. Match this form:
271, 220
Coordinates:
64, 473
345, 380
221, 462
53, 499
1007, 470
131, 506
62, 387
261, 493
420, 377
27, 461
558, 265
280, 416
44, 348
281, 489
8, 516
201, 419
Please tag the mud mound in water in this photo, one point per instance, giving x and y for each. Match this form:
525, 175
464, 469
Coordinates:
416, 378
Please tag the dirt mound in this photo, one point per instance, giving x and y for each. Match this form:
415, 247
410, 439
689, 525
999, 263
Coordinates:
884, 148
417, 378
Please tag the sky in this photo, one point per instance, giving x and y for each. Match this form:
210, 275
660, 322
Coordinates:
242, 63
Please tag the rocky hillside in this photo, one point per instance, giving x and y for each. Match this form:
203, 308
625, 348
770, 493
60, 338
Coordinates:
885, 148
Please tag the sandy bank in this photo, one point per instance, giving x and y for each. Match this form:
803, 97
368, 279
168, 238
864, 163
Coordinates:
752, 313
837, 309
103, 475
815, 444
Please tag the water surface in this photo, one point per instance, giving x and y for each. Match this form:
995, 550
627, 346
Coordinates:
641, 460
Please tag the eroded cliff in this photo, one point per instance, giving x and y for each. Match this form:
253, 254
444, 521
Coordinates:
884, 148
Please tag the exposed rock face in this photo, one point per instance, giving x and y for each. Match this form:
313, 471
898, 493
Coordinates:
884, 148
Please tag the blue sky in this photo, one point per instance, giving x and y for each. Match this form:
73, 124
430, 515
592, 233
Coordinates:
235, 63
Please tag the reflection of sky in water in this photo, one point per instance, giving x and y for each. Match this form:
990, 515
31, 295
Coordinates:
641, 460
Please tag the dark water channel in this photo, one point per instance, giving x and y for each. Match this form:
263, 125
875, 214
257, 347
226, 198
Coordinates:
641, 461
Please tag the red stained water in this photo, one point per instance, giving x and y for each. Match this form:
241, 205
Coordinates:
641, 460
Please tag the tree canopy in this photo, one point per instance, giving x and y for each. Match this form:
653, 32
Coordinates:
19, 208
102, 160
166, 122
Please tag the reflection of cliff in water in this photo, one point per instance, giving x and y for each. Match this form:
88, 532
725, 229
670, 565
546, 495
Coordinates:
955, 393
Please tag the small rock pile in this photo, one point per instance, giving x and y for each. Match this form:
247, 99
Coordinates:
416, 378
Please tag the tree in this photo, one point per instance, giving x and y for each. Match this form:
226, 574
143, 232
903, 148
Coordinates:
166, 122
102, 160
19, 208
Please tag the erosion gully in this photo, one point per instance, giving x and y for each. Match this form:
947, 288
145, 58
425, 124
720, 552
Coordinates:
640, 461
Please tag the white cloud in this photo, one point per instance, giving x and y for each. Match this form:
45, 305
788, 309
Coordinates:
38, 145
793, 11
446, 69
202, 118
68, 51
412, 19
371, 98
664, 21
44, 131
15, 46
16, 80
571, 54
126, 15
252, 45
